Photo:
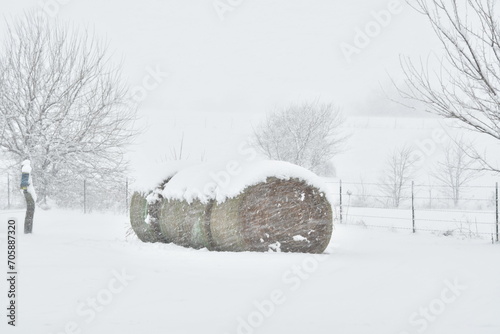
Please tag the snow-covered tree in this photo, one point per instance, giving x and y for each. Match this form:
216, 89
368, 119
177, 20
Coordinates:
307, 134
63, 105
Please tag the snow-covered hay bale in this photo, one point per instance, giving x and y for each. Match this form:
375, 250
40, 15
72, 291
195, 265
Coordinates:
287, 215
143, 218
186, 224
147, 200
262, 206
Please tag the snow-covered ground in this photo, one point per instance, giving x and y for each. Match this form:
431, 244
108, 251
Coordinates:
80, 272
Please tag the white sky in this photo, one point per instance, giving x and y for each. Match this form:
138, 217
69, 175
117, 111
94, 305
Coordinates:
264, 54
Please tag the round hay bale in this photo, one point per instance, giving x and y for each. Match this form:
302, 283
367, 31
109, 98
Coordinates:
279, 215
146, 231
186, 224
144, 214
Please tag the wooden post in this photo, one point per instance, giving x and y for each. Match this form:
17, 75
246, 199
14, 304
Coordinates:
30, 202
30, 212
413, 206
341, 201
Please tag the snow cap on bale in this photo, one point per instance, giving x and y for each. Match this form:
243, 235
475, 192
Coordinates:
157, 174
221, 181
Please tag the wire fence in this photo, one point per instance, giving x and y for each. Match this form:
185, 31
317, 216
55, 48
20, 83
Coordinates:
87, 195
469, 211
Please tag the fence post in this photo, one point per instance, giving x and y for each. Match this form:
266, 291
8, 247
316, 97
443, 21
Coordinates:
8, 191
413, 206
84, 196
496, 212
341, 201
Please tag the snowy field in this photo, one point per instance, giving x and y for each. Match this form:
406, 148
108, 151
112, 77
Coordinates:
202, 82
81, 274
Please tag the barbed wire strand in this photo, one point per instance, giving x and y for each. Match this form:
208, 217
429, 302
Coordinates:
416, 229
421, 219
406, 186
418, 197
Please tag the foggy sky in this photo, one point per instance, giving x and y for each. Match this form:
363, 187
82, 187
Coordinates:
262, 55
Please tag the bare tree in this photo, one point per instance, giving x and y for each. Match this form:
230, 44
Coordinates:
362, 195
466, 86
63, 104
398, 173
456, 170
306, 134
